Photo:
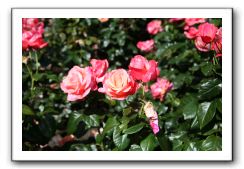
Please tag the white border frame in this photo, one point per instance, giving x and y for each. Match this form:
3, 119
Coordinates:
19, 155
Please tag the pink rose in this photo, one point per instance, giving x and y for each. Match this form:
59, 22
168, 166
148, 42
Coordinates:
99, 68
154, 27
145, 46
78, 83
152, 116
103, 19
171, 20
191, 33
207, 32
202, 46
217, 43
118, 84
192, 21
142, 69
160, 88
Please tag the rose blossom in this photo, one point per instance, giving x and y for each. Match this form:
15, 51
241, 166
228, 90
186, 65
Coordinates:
146, 45
207, 32
142, 69
171, 20
202, 46
217, 43
160, 88
152, 116
103, 19
154, 27
99, 68
78, 83
192, 21
191, 33
118, 84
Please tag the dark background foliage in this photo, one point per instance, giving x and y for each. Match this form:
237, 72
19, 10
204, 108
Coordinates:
189, 118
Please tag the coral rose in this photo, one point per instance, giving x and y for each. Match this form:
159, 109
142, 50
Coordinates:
192, 21
145, 46
142, 69
191, 33
152, 116
118, 84
154, 27
217, 43
99, 68
160, 88
207, 32
78, 83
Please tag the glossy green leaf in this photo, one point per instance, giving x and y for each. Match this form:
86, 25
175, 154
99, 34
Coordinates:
135, 147
212, 143
149, 143
26, 110
110, 124
121, 141
210, 89
73, 122
134, 129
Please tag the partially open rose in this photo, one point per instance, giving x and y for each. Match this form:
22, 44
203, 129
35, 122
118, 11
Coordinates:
160, 88
154, 27
152, 116
78, 83
145, 46
118, 84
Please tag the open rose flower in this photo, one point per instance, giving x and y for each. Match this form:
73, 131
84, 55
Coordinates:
160, 88
32, 31
207, 32
152, 116
191, 33
145, 46
103, 19
142, 69
154, 27
78, 83
202, 46
217, 43
99, 68
118, 84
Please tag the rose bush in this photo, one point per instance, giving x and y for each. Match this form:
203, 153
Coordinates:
122, 84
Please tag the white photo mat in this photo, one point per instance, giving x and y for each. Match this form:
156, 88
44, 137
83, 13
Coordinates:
19, 155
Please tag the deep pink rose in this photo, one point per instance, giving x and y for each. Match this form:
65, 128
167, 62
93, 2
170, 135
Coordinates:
142, 69
152, 116
191, 33
160, 88
154, 27
202, 46
145, 46
32, 31
99, 68
207, 32
118, 84
78, 83
217, 43
192, 21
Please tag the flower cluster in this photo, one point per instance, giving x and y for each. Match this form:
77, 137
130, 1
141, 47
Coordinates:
32, 31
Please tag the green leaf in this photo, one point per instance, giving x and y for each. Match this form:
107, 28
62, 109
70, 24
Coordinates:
135, 147
91, 120
195, 124
207, 68
134, 129
206, 112
177, 145
210, 89
110, 124
219, 105
212, 143
127, 111
190, 109
164, 142
73, 122
149, 143
26, 110
121, 142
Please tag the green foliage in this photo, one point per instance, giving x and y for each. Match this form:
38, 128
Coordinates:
190, 117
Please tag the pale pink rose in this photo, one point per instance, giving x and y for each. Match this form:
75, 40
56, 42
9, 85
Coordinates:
160, 88
154, 27
171, 20
99, 68
207, 32
142, 69
192, 21
152, 115
118, 84
103, 19
191, 33
146, 46
78, 83
202, 46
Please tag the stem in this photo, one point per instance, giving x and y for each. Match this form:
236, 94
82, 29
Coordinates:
37, 62
32, 79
